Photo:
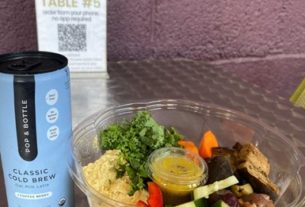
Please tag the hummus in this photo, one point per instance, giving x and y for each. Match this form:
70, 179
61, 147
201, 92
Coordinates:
102, 177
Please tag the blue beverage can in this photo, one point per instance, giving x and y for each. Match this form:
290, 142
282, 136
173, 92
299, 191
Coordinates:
35, 125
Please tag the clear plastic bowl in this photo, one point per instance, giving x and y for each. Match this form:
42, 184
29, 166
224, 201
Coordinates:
191, 119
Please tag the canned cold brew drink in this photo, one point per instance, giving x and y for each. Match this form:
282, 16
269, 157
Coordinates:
35, 125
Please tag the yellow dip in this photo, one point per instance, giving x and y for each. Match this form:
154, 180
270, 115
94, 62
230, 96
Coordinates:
102, 177
177, 172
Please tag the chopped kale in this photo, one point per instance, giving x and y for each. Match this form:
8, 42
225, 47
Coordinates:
137, 139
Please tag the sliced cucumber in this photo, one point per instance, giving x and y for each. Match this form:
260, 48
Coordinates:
220, 203
201, 202
206, 190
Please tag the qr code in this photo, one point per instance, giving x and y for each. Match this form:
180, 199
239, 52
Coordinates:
72, 37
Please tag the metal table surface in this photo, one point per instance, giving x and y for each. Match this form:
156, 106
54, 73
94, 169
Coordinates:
132, 81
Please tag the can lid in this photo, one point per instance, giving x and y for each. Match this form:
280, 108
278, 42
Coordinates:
32, 62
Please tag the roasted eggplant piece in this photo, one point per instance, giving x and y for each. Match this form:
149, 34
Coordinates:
219, 168
249, 165
225, 195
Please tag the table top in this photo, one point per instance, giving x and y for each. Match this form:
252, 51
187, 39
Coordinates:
181, 79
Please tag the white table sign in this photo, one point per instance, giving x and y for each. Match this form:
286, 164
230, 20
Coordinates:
76, 29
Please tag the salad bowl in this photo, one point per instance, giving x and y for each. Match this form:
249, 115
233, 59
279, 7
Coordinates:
191, 119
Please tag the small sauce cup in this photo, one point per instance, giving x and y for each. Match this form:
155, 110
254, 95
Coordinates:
177, 172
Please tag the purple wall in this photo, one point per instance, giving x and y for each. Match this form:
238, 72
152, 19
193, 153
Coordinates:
195, 29
262, 41
200, 29
17, 25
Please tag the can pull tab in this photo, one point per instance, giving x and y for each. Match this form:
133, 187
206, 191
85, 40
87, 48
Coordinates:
23, 65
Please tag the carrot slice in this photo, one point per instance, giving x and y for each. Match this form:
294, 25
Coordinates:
208, 142
189, 145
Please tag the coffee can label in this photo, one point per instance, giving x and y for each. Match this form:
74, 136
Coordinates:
35, 121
